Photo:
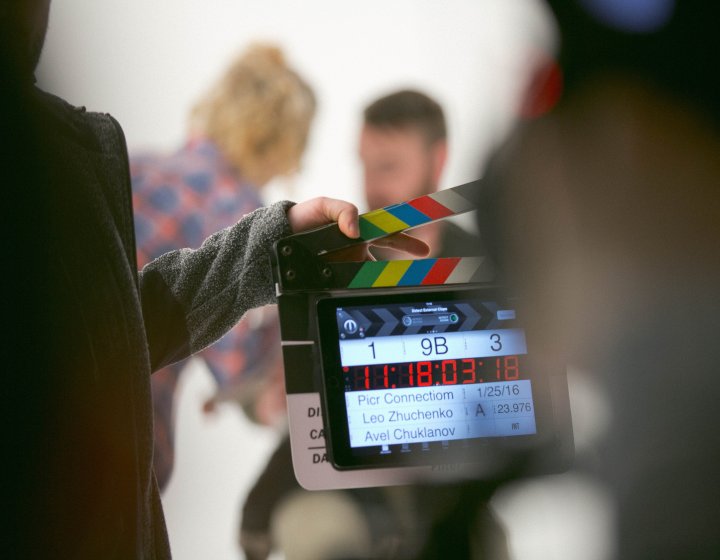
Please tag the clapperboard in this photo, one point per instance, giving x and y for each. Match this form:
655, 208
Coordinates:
411, 370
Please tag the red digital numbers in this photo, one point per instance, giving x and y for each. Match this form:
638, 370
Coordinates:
424, 374
468, 372
509, 368
449, 374
405, 378
380, 377
512, 369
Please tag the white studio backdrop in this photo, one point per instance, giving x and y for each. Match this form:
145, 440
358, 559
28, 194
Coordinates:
148, 62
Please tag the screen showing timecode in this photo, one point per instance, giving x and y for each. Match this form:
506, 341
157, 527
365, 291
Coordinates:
411, 373
426, 373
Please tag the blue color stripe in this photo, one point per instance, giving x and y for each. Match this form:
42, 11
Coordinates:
416, 273
408, 214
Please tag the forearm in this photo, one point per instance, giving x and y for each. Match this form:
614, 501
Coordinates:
191, 297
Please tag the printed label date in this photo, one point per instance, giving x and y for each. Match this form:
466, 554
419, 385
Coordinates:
499, 391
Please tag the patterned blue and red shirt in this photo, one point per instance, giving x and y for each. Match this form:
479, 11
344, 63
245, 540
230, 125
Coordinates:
179, 200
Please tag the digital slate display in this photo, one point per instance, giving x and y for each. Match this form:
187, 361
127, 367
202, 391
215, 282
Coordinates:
407, 371
410, 380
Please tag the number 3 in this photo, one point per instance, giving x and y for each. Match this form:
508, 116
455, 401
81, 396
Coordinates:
496, 345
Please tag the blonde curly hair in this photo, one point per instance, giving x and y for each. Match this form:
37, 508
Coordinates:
258, 114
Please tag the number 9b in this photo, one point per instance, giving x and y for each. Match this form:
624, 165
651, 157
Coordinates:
438, 344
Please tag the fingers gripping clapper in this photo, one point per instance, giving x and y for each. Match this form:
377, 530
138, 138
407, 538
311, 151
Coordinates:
410, 370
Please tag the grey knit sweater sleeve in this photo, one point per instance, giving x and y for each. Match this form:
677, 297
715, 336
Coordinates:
191, 297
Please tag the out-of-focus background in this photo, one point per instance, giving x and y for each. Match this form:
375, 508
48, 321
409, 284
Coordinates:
148, 62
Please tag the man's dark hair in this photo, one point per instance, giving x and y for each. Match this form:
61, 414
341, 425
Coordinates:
408, 109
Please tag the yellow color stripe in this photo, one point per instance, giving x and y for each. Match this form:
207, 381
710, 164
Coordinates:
385, 221
392, 273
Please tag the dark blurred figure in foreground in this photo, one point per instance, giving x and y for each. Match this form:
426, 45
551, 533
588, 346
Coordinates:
403, 149
87, 328
605, 214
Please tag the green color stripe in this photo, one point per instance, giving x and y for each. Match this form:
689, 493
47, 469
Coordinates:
367, 274
369, 230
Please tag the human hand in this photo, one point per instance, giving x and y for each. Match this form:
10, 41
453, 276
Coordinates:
400, 242
320, 211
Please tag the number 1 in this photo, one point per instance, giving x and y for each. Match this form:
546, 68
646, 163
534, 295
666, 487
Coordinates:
372, 347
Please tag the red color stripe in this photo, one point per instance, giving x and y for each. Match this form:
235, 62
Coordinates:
430, 207
441, 270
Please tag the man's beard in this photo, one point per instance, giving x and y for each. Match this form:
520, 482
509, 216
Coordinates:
426, 186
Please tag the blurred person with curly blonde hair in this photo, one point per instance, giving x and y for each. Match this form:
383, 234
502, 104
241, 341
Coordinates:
258, 115
251, 127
